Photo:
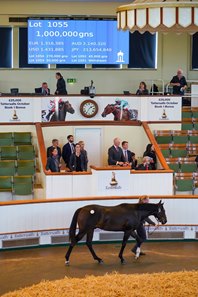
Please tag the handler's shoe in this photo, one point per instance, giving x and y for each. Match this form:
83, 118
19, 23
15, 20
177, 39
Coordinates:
141, 253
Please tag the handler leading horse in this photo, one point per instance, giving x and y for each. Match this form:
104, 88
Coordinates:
124, 217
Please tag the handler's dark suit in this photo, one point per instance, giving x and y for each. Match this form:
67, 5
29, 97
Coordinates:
141, 232
115, 155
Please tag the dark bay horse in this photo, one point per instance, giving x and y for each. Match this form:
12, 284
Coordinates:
120, 115
124, 217
60, 115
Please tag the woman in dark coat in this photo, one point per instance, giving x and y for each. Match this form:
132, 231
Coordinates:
77, 160
60, 85
53, 164
150, 152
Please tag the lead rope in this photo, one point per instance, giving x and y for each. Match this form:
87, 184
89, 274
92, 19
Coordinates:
156, 227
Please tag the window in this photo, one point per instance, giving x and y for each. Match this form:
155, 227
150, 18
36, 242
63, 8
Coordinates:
6, 47
142, 50
23, 57
194, 51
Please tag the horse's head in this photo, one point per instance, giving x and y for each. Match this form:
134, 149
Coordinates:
107, 110
68, 107
160, 213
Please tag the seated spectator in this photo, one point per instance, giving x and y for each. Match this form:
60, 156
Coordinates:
77, 160
83, 151
134, 161
179, 83
44, 90
55, 145
142, 89
128, 155
115, 153
150, 152
145, 165
53, 164
154, 89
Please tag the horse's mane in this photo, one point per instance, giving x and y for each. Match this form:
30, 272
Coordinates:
146, 206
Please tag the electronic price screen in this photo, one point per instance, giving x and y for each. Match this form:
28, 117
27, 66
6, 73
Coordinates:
76, 42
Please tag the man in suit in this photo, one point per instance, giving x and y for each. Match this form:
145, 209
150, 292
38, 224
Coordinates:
145, 165
54, 145
44, 90
128, 155
115, 154
68, 149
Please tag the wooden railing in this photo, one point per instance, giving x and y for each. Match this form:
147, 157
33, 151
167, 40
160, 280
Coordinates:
94, 198
41, 144
157, 149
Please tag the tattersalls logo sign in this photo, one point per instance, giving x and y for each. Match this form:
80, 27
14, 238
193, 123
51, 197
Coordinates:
18, 109
164, 108
113, 183
164, 115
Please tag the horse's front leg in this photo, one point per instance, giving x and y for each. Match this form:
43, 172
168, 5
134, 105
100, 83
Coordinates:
124, 242
90, 247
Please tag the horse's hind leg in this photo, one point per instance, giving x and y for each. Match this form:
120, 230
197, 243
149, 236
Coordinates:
78, 237
124, 242
90, 247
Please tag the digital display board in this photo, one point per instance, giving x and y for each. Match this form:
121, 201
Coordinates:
76, 42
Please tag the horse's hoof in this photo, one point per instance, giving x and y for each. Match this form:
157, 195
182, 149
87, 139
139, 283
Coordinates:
66, 263
100, 261
123, 262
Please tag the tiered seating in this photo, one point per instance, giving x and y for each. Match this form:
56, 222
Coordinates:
6, 184
182, 164
15, 138
17, 163
6, 138
185, 182
190, 118
18, 167
176, 137
22, 185
179, 149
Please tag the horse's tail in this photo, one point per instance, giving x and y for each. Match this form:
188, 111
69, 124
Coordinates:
72, 229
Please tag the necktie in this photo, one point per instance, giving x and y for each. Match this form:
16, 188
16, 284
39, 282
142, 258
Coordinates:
126, 156
72, 148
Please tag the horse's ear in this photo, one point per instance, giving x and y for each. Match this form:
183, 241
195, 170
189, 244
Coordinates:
161, 203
